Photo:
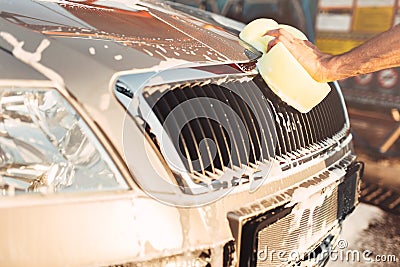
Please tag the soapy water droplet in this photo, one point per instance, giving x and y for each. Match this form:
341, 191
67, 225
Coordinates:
92, 51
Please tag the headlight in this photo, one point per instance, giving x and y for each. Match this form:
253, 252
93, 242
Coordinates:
45, 146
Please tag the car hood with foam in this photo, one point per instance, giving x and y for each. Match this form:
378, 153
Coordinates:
86, 45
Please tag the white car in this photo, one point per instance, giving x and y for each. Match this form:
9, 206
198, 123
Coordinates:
140, 133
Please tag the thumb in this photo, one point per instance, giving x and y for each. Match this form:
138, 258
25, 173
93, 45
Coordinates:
272, 43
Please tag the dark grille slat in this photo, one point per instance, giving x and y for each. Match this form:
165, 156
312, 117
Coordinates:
239, 140
274, 130
254, 132
311, 125
212, 92
161, 109
322, 121
261, 118
328, 117
332, 109
284, 130
329, 112
296, 133
222, 144
307, 129
316, 125
290, 131
339, 117
240, 109
254, 120
207, 125
174, 100
293, 131
198, 128
281, 148
317, 120
249, 117
279, 131
302, 133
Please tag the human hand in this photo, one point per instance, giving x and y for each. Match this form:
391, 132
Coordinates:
308, 55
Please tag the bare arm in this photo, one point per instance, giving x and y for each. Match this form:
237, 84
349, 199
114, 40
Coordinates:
380, 52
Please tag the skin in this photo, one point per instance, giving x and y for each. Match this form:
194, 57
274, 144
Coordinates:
380, 52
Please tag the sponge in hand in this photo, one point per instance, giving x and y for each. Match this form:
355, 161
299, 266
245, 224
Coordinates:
281, 71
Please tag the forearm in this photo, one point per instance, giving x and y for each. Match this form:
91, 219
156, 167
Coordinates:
380, 52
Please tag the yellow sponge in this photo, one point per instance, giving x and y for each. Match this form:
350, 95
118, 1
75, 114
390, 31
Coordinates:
281, 71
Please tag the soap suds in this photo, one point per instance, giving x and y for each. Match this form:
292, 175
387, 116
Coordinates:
32, 59
305, 200
92, 51
118, 57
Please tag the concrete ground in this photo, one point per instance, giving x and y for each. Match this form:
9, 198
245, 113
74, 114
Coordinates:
372, 231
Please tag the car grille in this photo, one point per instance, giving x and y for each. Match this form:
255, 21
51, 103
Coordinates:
269, 127
281, 236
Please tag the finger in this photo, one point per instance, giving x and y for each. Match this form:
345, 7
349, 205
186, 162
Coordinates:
272, 43
286, 39
280, 32
309, 44
274, 33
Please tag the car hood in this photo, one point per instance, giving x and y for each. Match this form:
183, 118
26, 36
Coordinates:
84, 46
149, 32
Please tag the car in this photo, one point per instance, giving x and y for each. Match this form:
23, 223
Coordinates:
139, 133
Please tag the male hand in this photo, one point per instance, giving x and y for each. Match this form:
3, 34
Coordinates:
308, 55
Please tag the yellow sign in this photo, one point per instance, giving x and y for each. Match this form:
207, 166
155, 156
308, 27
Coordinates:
372, 19
336, 46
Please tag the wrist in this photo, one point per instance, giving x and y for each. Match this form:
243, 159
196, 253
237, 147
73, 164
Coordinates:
330, 66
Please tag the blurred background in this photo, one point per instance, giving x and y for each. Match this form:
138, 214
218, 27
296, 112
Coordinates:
373, 100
